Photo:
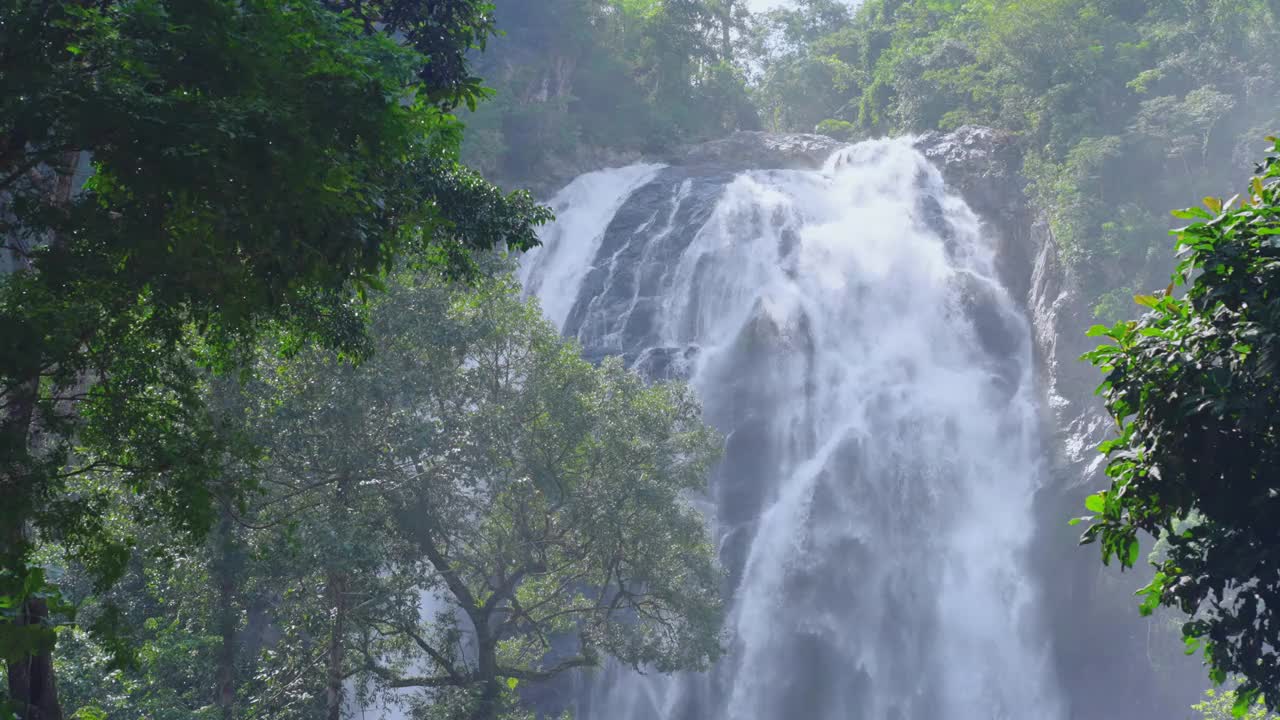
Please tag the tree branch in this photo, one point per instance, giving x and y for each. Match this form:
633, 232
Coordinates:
564, 665
444, 663
395, 681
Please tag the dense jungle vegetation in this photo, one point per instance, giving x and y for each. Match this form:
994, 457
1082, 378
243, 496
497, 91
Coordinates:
267, 388
581, 83
1124, 108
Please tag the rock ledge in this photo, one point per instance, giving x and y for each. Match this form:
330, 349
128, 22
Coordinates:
754, 150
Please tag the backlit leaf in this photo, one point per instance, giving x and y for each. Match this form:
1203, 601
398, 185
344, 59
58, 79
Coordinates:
1096, 502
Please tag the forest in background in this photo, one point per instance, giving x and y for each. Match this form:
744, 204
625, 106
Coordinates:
1123, 109
582, 83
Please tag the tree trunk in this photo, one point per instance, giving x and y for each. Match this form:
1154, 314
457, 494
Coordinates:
31, 679
31, 682
726, 26
227, 565
32, 685
488, 704
338, 603
337, 580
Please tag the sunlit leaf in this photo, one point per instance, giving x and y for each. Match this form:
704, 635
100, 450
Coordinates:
1096, 502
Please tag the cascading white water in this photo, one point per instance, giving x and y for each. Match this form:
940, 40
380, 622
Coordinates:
846, 329
583, 210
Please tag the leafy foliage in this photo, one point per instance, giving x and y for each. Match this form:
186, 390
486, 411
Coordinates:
1193, 386
1221, 705
608, 76
251, 167
537, 494
1122, 108
472, 510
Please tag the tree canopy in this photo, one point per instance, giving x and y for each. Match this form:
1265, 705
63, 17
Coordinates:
1122, 109
1193, 388
580, 81
472, 510
177, 178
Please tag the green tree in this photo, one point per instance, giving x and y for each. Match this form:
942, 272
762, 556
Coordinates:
471, 510
579, 80
484, 462
1194, 389
251, 165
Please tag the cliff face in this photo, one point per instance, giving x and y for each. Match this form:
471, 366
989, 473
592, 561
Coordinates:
1113, 663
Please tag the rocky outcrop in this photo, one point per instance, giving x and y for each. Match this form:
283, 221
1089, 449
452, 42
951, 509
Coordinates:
750, 150
984, 165
744, 150
556, 171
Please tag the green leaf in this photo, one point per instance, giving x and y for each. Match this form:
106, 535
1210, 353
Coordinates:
1151, 594
1133, 551
1096, 502
1146, 300
1244, 701
512, 683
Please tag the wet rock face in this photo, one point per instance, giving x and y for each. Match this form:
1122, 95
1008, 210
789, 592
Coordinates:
761, 151
984, 165
744, 150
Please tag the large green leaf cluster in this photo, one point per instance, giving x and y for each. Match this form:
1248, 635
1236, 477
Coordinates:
1195, 390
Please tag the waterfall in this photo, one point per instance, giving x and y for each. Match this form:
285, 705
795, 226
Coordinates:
846, 331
